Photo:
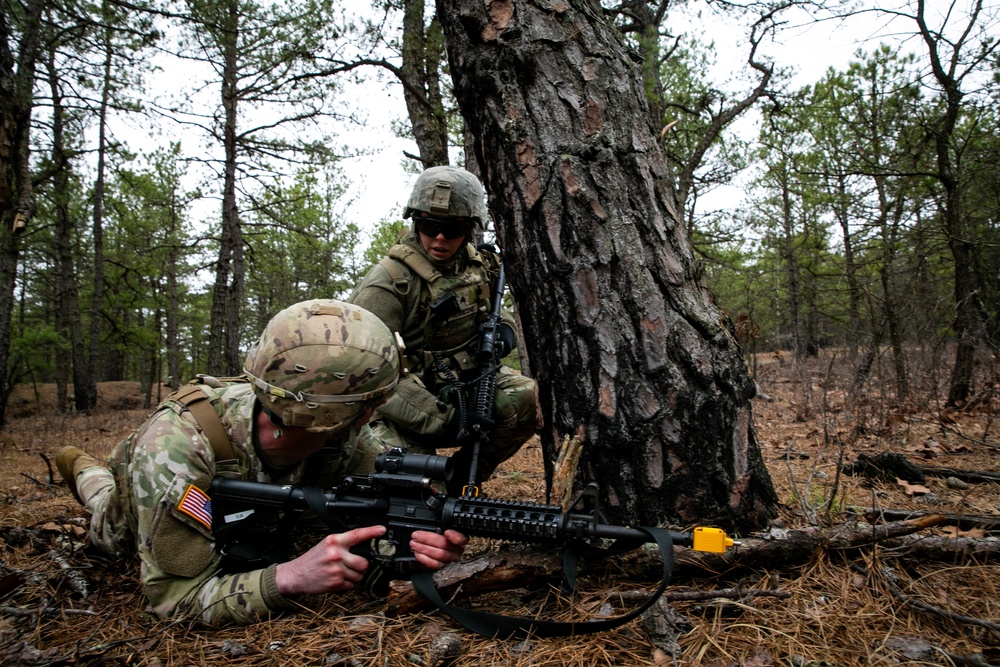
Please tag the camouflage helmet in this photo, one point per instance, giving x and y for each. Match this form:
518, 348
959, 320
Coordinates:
320, 363
448, 191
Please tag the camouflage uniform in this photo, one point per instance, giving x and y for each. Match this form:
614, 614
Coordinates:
152, 500
400, 290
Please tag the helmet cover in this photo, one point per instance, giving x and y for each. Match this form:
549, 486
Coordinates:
319, 364
450, 191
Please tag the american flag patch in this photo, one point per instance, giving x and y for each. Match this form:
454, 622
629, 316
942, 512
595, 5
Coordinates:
197, 505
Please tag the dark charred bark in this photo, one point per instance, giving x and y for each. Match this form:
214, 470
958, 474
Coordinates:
625, 343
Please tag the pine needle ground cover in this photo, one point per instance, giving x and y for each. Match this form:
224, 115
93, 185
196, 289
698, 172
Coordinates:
891, 603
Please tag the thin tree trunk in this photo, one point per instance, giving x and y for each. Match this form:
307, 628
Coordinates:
173, 297
227, 294
66, 307
17, 76
948, 171
791, 267
422, 54
887, 271
86, 396
850, 269
626, 346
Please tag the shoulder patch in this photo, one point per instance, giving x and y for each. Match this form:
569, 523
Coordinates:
197, 505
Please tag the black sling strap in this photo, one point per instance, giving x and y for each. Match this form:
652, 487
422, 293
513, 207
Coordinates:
507, 627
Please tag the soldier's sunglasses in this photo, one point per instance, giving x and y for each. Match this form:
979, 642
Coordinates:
451, 229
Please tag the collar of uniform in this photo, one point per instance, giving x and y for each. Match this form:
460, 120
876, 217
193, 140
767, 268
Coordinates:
461, 259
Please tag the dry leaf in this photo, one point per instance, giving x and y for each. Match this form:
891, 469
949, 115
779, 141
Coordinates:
912, 489
953, 531
661, 657
64, 529
929, 449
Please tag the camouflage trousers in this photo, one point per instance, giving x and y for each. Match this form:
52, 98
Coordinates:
514, 413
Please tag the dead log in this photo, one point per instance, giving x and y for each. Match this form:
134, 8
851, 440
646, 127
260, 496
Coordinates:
971, 476
963, 521
888, 466
509, 567
939, 548
519, 566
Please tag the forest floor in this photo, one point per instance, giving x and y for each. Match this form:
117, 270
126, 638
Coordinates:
870, 606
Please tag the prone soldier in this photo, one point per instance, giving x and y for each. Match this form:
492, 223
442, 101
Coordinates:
312, 381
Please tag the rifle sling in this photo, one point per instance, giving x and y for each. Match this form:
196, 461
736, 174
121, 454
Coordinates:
507, 627
316, 500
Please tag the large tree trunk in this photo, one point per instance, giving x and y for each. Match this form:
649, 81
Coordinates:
628, 349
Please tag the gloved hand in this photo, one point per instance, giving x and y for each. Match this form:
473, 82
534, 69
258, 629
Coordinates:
505, 339
450, 396
485, 422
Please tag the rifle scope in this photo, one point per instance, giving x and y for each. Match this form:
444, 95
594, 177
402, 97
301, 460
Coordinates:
398, 461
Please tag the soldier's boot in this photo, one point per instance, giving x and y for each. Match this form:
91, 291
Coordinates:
71, 461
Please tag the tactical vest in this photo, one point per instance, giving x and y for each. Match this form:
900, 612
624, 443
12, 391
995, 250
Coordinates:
435, 336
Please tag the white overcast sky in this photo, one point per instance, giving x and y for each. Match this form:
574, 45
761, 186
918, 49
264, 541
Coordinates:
380, 185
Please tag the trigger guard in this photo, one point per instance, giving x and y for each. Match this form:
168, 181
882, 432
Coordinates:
383, 549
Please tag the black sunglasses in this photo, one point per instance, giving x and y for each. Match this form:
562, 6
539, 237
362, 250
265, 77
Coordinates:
451, 229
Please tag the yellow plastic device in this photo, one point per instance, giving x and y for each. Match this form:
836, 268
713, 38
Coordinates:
714, 540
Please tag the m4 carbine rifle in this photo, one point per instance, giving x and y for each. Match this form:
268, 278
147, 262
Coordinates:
406, 494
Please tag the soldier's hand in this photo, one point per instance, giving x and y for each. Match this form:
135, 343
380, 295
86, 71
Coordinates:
327, 567
434, 551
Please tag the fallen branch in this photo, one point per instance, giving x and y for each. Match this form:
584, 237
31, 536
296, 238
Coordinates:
971, 476
77, 581
44, 612
963, 521
508, 567
787, 547
894, 587
945, 549
520, 566
693, 595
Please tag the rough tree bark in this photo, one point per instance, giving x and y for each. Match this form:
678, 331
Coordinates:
627, 347
422, 55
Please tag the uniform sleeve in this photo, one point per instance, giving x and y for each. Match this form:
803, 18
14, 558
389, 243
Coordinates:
509, 319
415, 409
376, 294
170, 472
